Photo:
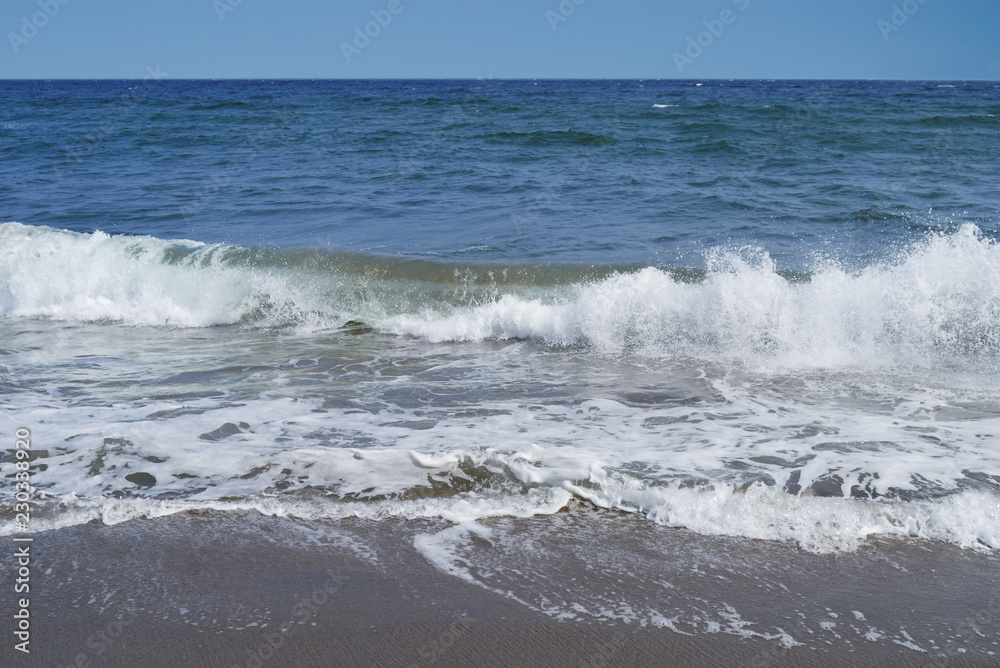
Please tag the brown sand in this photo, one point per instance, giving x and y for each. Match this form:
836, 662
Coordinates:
217, 589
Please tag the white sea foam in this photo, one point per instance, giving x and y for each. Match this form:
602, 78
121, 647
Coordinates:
492, 468
64, 275
939, 300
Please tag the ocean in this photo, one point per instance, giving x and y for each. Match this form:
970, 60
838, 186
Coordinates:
765, 310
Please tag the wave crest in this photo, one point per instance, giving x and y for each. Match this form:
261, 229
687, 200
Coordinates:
939, 300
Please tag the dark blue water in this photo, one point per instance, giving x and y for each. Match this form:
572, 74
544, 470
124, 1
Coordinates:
589, 171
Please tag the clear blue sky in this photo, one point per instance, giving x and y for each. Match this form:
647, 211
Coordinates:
891, 39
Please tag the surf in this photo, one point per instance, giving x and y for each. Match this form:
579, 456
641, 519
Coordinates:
935, 302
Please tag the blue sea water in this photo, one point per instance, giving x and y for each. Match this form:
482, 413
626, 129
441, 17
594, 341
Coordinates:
764, 309
578, 171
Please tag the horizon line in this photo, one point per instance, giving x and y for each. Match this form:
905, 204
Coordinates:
679, 79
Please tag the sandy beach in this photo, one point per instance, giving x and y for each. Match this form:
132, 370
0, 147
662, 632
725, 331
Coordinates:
218, 590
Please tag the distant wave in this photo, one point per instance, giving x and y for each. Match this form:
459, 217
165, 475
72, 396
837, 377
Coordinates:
552, 138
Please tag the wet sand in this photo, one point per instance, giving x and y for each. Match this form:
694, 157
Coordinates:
226, 589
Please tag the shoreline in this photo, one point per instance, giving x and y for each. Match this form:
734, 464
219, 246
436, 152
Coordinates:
241, 589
